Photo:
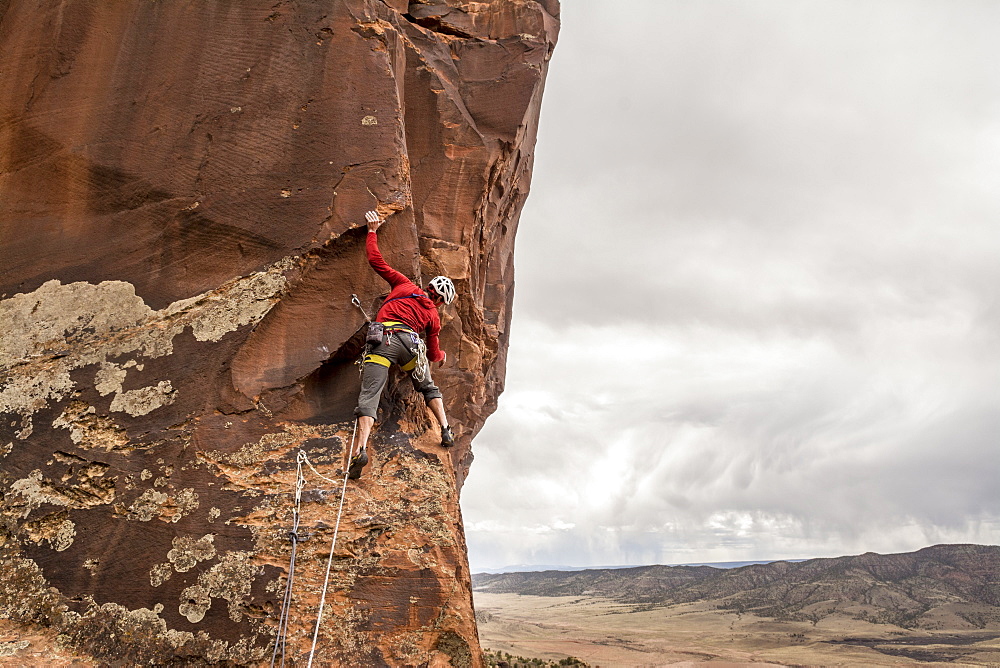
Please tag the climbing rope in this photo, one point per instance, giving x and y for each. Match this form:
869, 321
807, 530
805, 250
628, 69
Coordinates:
300, 482
422, 369
313, 468
293, 535
329, 561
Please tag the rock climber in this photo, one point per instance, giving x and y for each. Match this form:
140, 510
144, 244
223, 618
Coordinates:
405, 313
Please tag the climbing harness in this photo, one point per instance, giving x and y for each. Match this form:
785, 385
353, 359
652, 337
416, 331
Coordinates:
418, 365
379, 332
293, 535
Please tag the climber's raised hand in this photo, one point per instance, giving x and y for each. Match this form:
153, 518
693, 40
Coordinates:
374, 222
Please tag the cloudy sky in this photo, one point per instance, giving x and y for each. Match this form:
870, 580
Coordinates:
757, 311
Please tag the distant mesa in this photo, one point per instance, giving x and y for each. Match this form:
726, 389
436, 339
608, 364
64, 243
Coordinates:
944, 586
532, 568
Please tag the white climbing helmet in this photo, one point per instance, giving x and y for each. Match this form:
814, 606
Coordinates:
443, 286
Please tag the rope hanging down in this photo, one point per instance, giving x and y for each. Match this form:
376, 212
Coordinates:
293, 535
329, 560
300, 480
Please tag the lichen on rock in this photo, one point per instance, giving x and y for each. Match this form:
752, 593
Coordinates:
160, 573
230, 579
187, 551
12, 647
34, 490
56, 313
143, 400
56, 529
89, 430
88, 324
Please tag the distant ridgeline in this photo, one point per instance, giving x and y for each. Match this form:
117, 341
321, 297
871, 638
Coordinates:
945, 586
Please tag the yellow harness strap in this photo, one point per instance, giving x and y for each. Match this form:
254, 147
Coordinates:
377, 359
392, 324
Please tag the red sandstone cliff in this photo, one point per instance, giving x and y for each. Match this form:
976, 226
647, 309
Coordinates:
181, 188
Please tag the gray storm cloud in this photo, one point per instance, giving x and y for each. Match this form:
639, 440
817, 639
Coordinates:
756, 312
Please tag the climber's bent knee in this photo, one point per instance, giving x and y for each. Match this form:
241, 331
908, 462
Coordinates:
364, 411
432, 393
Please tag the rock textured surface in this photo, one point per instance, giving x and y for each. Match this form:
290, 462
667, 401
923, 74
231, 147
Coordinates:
181, 188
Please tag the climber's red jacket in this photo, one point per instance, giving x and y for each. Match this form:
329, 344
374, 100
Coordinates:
418, 313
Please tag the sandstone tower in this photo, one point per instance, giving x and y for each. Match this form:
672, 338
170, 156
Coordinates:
182, 190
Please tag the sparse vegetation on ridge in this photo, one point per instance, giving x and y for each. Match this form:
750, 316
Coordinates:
498, 659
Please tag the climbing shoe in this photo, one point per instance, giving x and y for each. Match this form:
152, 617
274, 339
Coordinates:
447, 438
358, 462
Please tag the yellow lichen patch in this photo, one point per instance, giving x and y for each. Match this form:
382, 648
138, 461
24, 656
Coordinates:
160, 573
36, 490
147, 506
27, 427
240, 302
145, 399
243, 467
230, 579
187, 551
90, 431
58, 328
186, 503
195, 602
22, 586
343, 630
24, 591
54, 312
31, 389
9, 648
56, 529
251, 453
109, 378
153, 503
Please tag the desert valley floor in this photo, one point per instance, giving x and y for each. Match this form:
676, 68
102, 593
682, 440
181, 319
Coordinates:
612, 635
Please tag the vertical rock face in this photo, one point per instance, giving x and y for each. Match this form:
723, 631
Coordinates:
181, 188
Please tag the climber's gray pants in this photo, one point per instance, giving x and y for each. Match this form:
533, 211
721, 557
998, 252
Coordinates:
376, 371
